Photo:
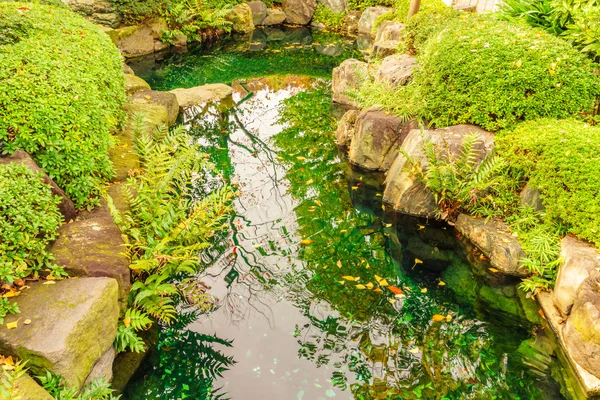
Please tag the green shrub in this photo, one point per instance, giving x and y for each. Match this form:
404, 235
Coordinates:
29, 219
61, 93
430, 20
330, 19
495, 73
135, 10
361, 5
560, 158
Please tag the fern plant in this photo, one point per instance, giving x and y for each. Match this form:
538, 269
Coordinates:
97, 389
167, 226
458, 182
8, 379
193, 19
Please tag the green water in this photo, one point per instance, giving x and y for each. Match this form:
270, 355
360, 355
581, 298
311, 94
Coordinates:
308, 275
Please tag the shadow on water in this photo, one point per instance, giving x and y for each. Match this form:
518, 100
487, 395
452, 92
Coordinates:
321, 292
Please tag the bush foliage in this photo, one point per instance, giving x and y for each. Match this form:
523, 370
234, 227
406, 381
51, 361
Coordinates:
495, 73
61, 93
560, 159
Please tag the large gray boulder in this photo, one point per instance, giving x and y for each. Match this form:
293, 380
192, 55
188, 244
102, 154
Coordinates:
495, 241
167, 100
345, 130
93, 248
377, 138
582, 329
299, 12
66, 206
581, 261
368, 18
404, 191
388, 38
274, 16
396, 70
259, 11
72, 324
100, 12
337, 6
140, 40
346, 78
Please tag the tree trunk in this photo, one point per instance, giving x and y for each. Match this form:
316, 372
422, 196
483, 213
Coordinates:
414, 8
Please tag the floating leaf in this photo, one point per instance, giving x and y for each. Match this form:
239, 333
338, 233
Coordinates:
378, 195
306, 241
377, 290
387, 225
342, 282
349, 278
448, 318
395, 290
383, 283
310, 181
424, 290
441, 283
438, 318
361, 287
10, 293
369, 285
420, 227
392, 301
339, 263
354, 187
378, 278
494, 270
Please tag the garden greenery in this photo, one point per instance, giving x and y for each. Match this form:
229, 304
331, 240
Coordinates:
167, 226
61, 94
29, 220
97, 389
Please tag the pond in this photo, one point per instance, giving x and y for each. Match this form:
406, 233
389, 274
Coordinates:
321, 292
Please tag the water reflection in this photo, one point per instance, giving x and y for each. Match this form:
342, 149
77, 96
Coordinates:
317, 287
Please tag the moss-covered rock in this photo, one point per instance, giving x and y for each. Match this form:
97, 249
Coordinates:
28, 389
164, 99
241, 18
134, 83
459, 278
139, 40
73, 323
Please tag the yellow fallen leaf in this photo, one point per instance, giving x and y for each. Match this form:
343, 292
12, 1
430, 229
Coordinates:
317, 202
50, 278
360, 287
414, 350
392, 300
49, 283
11, 293
9, 361
27, 321
505, 240
442, 283
310, 181
13, 325
306, 241
424, 290
342, 282
127, 322
417, 261
378, 195
344, 231
438, 318
378, 278
387, 225
339, 263
494, 270
354, 187
377, 290
369, 285
448, 318
348, 278
420, 227
383, 283
383, 207
367, 266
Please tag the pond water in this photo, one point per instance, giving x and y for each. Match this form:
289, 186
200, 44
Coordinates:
321, 292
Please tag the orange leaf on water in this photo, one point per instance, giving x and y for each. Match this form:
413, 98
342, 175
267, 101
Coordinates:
438, 318
395, 290
306, 241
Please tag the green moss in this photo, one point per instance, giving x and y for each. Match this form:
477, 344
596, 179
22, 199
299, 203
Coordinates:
496, 299
61, 90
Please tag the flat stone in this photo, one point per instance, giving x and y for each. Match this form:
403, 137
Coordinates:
495, 241
368, 18
404, 191
165, 99
73, 323
590, 384
66, 206
28, 389
202, 94
396, 70
345, 130
274, 16
346, 78
377, 138
123, 155
93, 248
581, 261
299, 12
103, 367
99, 12
259, 11
134, 84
